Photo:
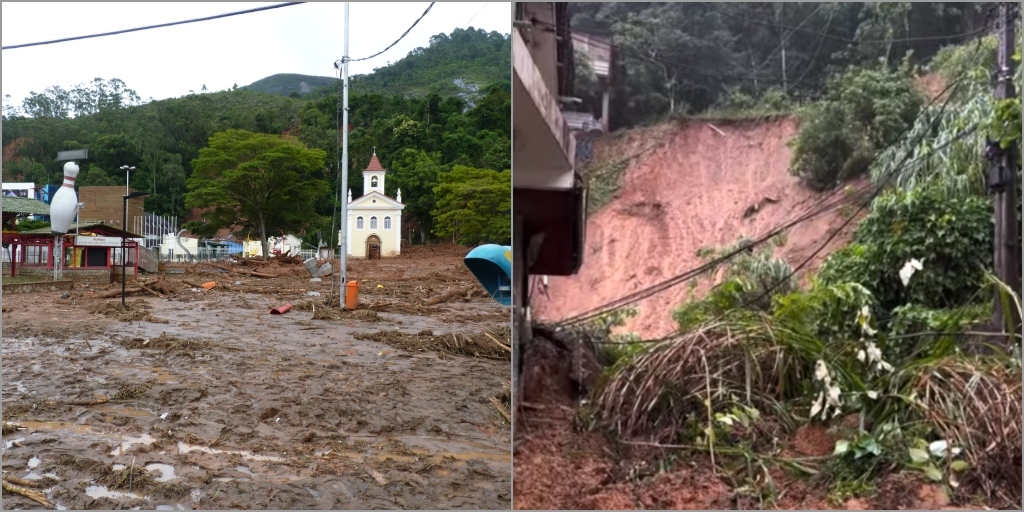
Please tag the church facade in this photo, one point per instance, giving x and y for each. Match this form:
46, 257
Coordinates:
374, 220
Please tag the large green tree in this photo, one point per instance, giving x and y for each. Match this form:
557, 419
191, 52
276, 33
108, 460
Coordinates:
474, 205
258, 182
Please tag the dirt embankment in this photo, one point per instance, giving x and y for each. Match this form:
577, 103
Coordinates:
706, 186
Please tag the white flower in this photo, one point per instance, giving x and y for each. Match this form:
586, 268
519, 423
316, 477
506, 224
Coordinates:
818, 404
908, 270
874, 353
833, 395
863, 317
882, 365
821, 371
873, 395
861, 356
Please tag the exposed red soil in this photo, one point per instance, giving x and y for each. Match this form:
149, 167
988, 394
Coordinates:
695, 191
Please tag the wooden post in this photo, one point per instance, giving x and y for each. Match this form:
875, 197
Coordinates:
1003, 180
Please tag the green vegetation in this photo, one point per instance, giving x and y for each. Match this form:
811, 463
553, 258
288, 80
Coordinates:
292, 85
418, 137
865, 110
879, 347
688, 58
254, 182
474, 205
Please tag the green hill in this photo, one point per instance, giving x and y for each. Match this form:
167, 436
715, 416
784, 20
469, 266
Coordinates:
286, 84
461, 64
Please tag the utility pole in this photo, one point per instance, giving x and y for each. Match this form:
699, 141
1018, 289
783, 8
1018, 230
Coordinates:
342, 246
1002, 177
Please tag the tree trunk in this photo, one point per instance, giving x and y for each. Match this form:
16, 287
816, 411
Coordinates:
263, 240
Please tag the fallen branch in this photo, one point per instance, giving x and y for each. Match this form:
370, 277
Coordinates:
22, 482
88, 403
446, 296
9, 427
35, 496
509, 349
150, 290
501, 409
114, 293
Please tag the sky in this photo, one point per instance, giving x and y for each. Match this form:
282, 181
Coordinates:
170, 61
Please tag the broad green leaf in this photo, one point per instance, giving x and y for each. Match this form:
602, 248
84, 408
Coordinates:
918, 455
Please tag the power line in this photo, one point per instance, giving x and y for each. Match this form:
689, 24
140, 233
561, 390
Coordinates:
149, 27
399, 37
814, 212
475, 15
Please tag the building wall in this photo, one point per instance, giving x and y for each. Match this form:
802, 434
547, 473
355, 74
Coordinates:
390, 239
104, 204
542, 42
170, 244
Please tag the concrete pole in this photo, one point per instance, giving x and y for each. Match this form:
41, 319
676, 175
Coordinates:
1007, 254
343, 247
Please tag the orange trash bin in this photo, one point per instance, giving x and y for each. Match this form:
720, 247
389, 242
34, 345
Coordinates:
351, 295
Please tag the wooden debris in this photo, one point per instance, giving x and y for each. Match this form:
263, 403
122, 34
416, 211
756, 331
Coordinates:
9, 428
501, 409
448, 295
151, 291
35, 496
509, 349
22, 482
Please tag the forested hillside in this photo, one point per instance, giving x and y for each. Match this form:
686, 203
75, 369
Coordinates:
421, 140
463, 63
686, 58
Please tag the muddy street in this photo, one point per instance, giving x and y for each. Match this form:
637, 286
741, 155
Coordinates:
202, 399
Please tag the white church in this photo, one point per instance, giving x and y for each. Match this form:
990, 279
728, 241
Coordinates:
374, 220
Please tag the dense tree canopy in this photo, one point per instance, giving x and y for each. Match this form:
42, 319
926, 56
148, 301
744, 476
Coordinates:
688, 57
255, 182
419, 130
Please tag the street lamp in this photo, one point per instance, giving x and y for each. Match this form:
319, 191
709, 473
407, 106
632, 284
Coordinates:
126, 170
124, 231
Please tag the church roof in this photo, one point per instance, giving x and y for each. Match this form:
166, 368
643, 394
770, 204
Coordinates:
375, 164
387, 202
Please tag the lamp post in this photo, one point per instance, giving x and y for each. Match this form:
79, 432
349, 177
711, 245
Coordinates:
126, 169
124, 232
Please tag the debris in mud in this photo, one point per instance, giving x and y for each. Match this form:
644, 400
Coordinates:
166, 343
10, 428
33, 495
478, 345
130, 312
503, 402
131, 391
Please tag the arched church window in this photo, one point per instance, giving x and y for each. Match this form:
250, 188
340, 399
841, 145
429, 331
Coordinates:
373, 222
387, 222
373, 181
359, 223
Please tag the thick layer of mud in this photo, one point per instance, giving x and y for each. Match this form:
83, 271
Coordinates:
226, 406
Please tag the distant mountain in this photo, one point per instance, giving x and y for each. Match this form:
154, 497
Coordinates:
462, 64
287, 83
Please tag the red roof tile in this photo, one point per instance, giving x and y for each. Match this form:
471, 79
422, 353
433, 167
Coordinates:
374, 164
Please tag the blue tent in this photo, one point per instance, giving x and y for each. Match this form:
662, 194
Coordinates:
491, 264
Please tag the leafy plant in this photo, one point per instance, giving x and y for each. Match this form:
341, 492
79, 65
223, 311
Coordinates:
866, 109
952, 241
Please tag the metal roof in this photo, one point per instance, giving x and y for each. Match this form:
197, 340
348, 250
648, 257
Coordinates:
86, 226
25, 205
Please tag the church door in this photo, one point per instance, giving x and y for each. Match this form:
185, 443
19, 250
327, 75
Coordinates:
373, 247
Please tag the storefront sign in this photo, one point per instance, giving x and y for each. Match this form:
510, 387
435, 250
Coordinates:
103, 241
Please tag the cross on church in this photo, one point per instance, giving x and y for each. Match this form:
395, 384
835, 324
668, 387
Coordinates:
375, 150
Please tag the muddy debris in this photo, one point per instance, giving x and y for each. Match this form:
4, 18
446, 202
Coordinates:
166, 343
481, 344
136, 311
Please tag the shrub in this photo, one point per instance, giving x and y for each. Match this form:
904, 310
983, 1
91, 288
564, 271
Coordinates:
864, 110
952, 240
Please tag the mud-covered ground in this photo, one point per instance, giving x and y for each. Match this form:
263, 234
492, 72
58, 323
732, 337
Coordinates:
561, 463
202, 399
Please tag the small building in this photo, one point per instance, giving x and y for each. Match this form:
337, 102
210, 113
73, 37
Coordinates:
172, 250
374, 220
91, 251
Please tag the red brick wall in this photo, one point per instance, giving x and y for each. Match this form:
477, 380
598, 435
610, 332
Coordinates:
104, 204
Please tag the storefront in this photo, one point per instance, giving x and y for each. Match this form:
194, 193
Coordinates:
93, 252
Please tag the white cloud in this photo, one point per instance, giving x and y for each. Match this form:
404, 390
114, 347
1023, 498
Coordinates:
170, 61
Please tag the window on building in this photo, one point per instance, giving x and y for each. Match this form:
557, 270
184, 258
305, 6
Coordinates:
387, 222
359, 223
373, 181
373, 222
